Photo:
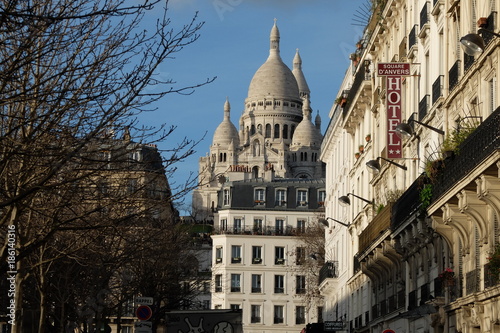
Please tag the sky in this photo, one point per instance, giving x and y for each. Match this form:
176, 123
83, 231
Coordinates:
233, 44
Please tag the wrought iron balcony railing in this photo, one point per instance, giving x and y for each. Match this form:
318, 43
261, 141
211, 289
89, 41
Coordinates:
454, 75
437, 88
479, 145
328, 271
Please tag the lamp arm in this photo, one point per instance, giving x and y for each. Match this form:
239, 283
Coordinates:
437, 130
339, 222
394, 163
489, 31
360, 198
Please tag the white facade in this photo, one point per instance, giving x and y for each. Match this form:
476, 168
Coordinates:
422, 223
255, 269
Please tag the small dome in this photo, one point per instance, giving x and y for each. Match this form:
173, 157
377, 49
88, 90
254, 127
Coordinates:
226, 132
274, 78
306, 134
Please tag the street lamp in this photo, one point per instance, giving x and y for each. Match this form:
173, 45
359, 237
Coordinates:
473, 44
374, 165
344, 200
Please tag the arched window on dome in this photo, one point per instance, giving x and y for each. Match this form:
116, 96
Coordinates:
276, 131
252, 130
256, 148
259, 128
285, 131
268, 130
305, 156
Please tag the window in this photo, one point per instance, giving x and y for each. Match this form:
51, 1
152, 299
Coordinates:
279, 284
279, 255
132, 186
268, 130
234, 307
235, 283
257, 225
285, 131
279, 225
300, 255
300, 287
237, 226
235, 254
321, 198
223, 224
278, 314
259, 196
256, 283
280, 197
301, 226
255, 315
276, 131
256, 254
301, 197
300, 315
218, 255
225, 201
320, 314
218, 283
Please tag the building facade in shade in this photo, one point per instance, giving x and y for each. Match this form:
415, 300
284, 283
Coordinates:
421, 250
275, 133
262, 185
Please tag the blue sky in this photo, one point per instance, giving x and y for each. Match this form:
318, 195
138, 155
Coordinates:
234, 43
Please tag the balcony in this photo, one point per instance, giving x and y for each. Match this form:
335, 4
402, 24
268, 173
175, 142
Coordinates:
454, 75
472, 281
265, 231
380, 223
328, 271
490, 279
483, 142
412, 41
424, 21
361, 76
407, 205
437, 88
423, 107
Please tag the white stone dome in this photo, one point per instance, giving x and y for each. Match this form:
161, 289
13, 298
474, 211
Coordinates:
226, 133
306, 134
274, 79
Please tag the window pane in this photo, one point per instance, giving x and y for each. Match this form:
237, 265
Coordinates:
235, 283
278, 314
279, 284
255, 314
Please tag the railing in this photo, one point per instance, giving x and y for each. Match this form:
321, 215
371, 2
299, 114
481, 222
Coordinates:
383, 307
407, 204
256, 289
438, 287
424, 15
380, 222
423, 106
268, 231
412, 37
361, 76
328, 271
425, 292
488, 36
401, 298
480, 144
453, 75
472, 281
437, 88
468, 61
356, 263
278, 290
375, 313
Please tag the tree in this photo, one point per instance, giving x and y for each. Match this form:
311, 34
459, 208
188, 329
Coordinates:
73, 77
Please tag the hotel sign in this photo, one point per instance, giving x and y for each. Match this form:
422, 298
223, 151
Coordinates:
393, 72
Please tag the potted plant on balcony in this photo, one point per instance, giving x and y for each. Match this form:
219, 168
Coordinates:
494, 263
357, 154
361, 148
368, 137
447, 277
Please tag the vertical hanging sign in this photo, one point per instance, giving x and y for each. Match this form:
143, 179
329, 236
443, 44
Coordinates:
393, 72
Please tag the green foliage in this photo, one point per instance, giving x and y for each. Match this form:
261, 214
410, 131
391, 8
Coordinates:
494, 261
455, 138
425, 196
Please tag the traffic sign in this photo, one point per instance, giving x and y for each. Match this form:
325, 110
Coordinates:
388, 331
143, 312
144, 300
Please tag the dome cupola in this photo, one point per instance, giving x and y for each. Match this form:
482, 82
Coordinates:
226, 133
